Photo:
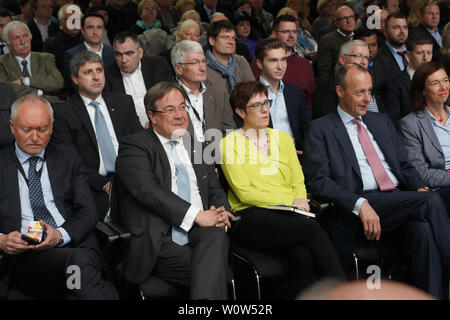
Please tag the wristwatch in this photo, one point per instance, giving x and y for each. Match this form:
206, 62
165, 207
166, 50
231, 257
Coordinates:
60, 242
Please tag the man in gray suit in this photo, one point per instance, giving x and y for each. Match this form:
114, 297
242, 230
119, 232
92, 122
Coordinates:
209, 107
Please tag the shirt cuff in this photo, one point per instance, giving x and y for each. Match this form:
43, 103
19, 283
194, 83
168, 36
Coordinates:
189, 218
358, 205
65, 235
26, 81
40, 92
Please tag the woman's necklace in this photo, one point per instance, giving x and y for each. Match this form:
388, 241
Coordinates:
261, 142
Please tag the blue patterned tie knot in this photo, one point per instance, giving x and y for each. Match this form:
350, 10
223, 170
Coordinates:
25, 72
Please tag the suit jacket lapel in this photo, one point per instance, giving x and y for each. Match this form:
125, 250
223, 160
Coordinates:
80, 109
34, 63
117, 79
12, 191
53, 172
146, 73
344, 141
115, 119
425, 122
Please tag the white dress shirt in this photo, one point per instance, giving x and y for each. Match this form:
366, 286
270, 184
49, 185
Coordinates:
196, 200
99, 53
195, 110
135, 86
43, 29
112, 133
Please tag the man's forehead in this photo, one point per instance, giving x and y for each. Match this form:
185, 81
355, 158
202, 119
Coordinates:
92, 65
396, 22
287, 24
172, 98
343, 12
93, 21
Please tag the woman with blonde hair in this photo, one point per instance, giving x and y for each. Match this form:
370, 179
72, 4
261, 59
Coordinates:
147, 12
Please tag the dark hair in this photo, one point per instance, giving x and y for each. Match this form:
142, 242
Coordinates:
282, 18
244, 91
395, 15
418, 83
123, 36
81, 58
83, 20
215, 28
267, 44
417, 38
158, 91
364, 32
342, 70
95, 9
5, 13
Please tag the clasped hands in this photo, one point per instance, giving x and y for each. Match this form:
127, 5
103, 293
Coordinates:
12, 243
214, 217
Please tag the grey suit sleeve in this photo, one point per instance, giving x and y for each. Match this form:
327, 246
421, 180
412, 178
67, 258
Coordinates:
415, 146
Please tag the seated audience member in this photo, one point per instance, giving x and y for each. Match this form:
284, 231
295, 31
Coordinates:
8, 97
25, 12
27, 71
122, 15
207, 8
93, 123
183, 6
176, 32
325, 99
208, 107
330, 43
262, 18
356, 160
306, 45
299, 71
132, 74
262, 169
429, 21
41, 27
244, 32
69, 17
396, 93
224, 69
445, 50
167, 14
147, 12
101, 10
92, 27
177, 220
323, 24
426, 131
302, 9
44, 182
289, 112
154, 42
5, 18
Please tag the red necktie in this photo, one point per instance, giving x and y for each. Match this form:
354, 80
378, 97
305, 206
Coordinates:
379, 172
403, 55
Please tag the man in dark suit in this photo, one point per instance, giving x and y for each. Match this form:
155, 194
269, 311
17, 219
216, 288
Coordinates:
132, 74
392, 54
356, 160
289, 111
8, 97
210, 113
396, 94
46, 183
172, 202
93, 123
41, 27
92, 28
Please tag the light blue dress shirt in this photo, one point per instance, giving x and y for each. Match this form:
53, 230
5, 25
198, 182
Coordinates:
436, 35
397, 57
443, 135
278, 111
25, 205
368, 179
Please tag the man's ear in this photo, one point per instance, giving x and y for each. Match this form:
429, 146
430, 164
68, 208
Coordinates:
211, 41
340, 91
11, 126
178, 69
259, 63
74, 79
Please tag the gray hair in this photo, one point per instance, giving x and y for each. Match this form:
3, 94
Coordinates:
29, 98
158, 91
346, 47
11, 26
184, 25
81, 58
182, 49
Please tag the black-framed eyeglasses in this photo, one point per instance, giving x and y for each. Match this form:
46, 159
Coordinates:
261, 106
346, 18
285, 32
171, 110
357, 56
195, 62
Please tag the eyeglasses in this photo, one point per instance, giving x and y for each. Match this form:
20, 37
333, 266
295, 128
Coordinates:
357, 56
348, 18
171, 110
261, 106
227, 38
196, 62
285, 32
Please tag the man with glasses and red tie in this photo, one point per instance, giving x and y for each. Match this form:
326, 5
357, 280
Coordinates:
356, 160
329, 44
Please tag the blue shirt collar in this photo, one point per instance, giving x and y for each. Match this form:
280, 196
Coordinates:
23, 156
346, 117
264, 82
394, 51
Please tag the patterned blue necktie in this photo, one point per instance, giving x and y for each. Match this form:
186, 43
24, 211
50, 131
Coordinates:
40, 211
179, 236
25, 72
104, 139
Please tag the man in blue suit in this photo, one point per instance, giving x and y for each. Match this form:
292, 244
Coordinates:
92, 28
289, 111
356, 160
